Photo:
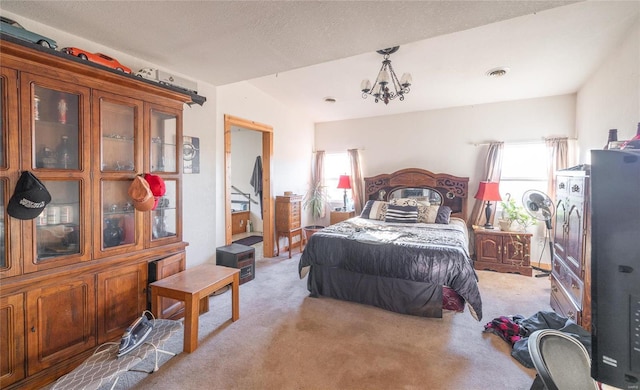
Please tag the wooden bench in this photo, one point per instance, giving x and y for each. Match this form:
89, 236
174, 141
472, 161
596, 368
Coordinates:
190, 286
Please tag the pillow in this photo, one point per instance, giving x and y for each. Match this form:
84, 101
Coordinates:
401, 214
434, 214
403, 202
374, 209
444, 215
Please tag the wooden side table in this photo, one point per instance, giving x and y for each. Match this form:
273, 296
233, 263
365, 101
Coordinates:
339, 216
288, 219
190, 286
501, 251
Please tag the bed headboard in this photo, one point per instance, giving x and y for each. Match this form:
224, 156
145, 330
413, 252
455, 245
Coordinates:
453, 189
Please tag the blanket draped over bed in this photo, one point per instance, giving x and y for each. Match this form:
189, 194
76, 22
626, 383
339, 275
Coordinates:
398, 267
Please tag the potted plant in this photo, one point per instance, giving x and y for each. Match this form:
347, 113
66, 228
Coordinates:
511, 212
315, 199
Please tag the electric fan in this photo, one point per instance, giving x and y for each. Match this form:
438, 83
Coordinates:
540, 206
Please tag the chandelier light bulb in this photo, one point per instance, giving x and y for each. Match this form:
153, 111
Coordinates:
365, 85
406, 80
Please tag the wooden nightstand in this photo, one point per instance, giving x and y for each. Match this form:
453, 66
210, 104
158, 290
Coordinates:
339, 216
501, 251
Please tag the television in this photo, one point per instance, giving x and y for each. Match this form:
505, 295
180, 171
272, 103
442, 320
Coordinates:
615, 267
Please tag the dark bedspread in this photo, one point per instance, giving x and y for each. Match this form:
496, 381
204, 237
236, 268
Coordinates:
400, 267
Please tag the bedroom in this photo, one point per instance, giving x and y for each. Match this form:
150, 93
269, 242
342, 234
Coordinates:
608, 98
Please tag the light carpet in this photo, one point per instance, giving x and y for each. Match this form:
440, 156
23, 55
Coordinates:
285, 339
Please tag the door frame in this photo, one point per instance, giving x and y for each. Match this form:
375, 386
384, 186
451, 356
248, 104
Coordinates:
267, 201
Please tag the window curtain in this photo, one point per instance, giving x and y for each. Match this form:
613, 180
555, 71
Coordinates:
492, 172
317, 177
558, 158
357, 190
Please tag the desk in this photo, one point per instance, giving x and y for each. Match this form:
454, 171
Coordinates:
190, 286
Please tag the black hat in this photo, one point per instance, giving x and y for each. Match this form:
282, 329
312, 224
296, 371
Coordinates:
29, 198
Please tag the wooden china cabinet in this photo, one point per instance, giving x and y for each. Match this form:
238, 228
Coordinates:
76, 276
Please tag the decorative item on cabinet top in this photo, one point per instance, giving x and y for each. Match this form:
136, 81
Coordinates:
195, 98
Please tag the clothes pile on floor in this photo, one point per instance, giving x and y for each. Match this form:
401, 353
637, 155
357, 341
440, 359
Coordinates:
516, 330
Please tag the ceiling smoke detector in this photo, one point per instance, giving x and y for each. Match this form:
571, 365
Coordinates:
497, 72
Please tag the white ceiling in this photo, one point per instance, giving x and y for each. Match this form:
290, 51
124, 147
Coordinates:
303, 51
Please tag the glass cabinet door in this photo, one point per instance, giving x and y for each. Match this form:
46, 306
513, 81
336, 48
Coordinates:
118, 215
164, 141
56, 129
58, 226
55, 126
120, 142
118, 129
10, 254
164, 219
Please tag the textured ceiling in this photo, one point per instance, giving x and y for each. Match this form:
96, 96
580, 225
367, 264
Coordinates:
303, 51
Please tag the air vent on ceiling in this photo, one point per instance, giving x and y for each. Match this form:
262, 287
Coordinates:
497, 72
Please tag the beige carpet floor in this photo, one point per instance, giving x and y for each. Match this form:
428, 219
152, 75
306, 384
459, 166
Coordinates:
287, 340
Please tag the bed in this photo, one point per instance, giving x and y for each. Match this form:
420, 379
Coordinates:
408, 251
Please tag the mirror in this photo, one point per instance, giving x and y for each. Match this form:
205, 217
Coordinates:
420, 194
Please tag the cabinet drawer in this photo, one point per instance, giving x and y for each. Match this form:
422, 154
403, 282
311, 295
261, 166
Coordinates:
576, 187
569, 282
562, 187
562, 304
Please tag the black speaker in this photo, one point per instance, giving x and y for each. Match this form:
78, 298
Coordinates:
615, 267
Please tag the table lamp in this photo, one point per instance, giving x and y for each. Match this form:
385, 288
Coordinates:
344, 183
488, 191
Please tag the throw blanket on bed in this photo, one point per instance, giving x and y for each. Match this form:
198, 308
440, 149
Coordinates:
428, 254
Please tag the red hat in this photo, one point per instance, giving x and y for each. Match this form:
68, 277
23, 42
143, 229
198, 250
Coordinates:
156, 184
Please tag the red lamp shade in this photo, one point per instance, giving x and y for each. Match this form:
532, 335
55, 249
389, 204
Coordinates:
344, 182
488, 190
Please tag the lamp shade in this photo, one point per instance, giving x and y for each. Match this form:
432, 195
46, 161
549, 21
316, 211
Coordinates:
488, 190
344, 182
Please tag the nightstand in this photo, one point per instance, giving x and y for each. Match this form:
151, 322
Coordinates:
501, 251
339, 216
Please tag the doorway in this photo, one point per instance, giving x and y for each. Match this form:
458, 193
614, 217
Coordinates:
231, 122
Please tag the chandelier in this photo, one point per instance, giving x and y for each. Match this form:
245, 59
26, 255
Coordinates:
387, 87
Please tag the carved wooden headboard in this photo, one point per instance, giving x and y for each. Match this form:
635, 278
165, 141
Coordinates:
453, 189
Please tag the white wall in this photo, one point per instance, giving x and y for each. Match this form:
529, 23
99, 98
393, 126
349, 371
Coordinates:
610, 99
442, 140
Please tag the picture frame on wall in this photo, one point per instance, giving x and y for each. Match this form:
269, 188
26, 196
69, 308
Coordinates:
191, 154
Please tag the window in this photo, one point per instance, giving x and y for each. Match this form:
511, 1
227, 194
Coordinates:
335, 164
524, 167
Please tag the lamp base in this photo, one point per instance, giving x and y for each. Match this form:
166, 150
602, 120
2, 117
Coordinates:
488, 226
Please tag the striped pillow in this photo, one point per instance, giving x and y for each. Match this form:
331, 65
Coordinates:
374, 209
401, 214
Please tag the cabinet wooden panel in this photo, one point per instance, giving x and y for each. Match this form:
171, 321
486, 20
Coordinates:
121, 299
12, 346
339, 216
77, 274
288, 220
570, 281
160, 269
60, 321
503, 251
239, 221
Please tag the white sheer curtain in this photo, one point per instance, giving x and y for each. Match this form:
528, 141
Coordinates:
357, 182
492, 172
558, 157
